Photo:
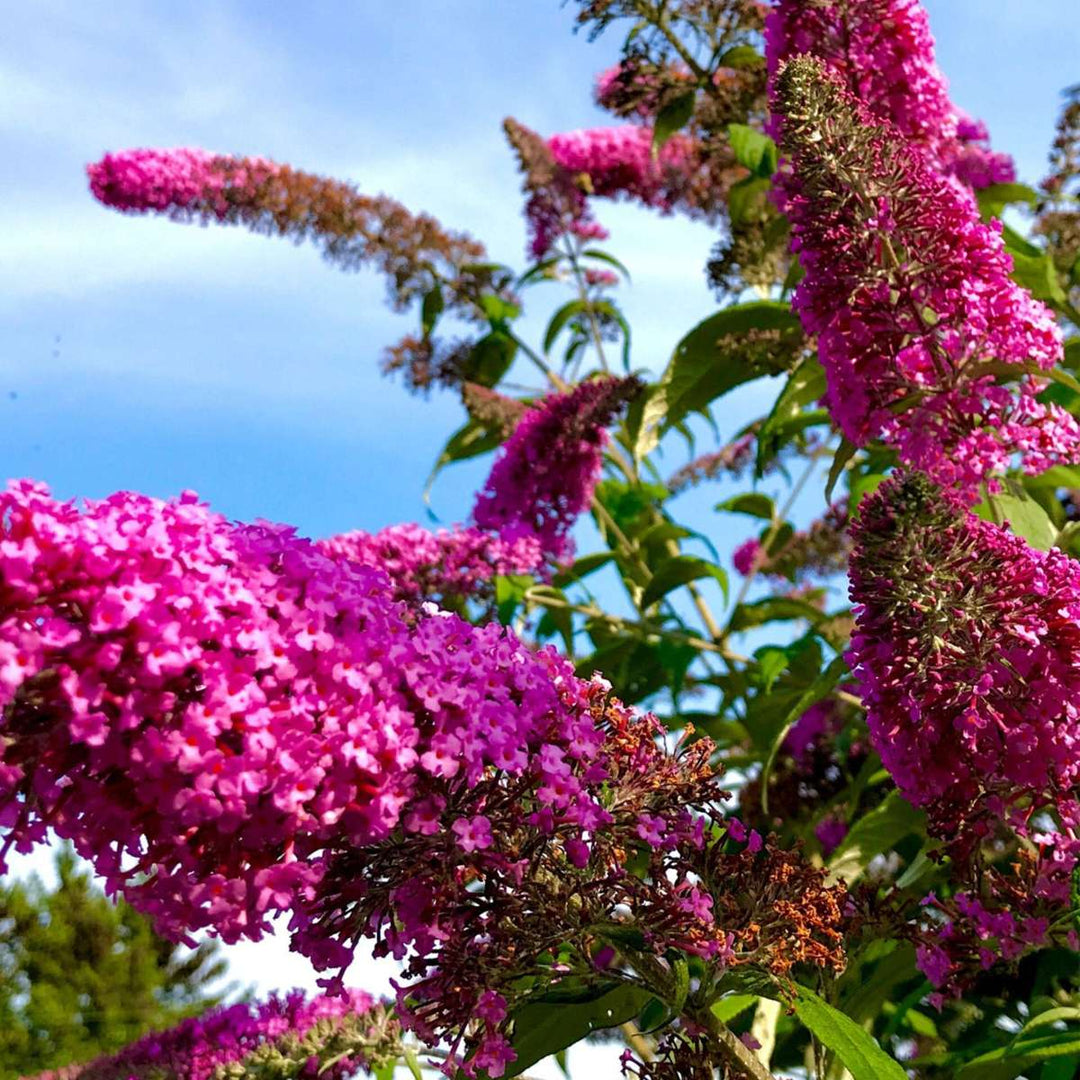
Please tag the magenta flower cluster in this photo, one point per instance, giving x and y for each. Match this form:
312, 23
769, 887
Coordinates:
909, 295
185, 699
181, 179
216, 714
967, 654
619, 161
448, 565
968, 665
203, 1047
202, 707
546, 472
883, 53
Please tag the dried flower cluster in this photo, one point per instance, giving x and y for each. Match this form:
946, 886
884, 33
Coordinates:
600, 877
909, 295
732, 459
546, 472
821, 550
277, 1039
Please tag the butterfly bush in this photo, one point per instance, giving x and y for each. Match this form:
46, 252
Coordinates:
909, 294
283, 1036
448, 566
967, 650
546, 472
882, 52
185, 699
231, 723
967, 655
201, 706
413, 251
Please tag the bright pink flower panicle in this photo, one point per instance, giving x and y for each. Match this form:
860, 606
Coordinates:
967, 651
188, 699
909, 295
746, 555
545, 474
448, 565
883, 53
184, 180
290, 1033
619, 162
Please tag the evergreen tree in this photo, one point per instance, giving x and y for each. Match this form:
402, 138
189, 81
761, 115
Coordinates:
81, 975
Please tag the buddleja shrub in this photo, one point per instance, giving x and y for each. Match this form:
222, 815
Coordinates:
844, 839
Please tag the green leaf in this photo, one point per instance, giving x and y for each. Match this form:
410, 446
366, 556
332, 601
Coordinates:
844, 454
680, 570
469, 441
1072, 354
412, 1062
740, 57
681, 971
993, 199
805, 385
1020, 1055
861, 486
727, 1008
603, 256
1024, 516
544, 1028
490, 358
772, 609
1039, 276
510, 590
583, 567
674, 115
1057, 476
856, 1049
1051, 1016
560, 319
752, 503
746, 198
772, 661
873, 834
700, 371
499, 309
753, 150
431, 308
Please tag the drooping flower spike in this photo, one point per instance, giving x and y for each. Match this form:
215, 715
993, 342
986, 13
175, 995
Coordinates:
447, 566
413, 251
909, 295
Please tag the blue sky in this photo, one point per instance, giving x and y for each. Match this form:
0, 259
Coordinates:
138, 353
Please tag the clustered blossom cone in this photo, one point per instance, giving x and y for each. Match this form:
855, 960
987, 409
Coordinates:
332, 1037
448, 566
230, 723
546, 472
967, 654
909, 294
882, 52
413, 251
